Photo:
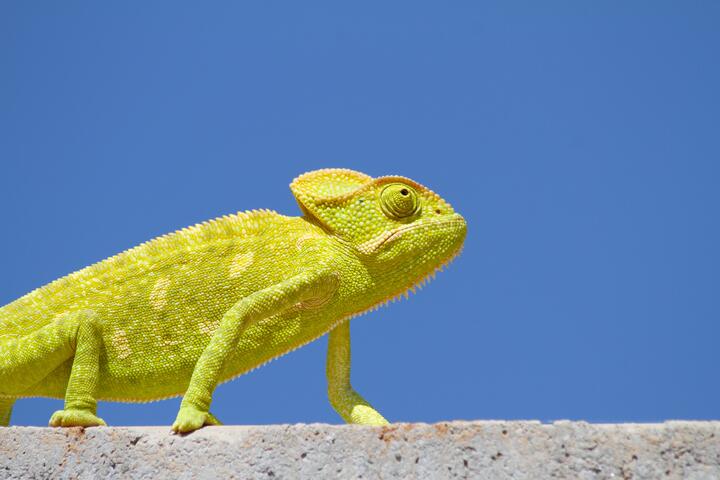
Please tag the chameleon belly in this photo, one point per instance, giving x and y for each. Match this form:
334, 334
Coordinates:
261, 343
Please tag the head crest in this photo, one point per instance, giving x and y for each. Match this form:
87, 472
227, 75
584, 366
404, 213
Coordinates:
313, 189
322, 185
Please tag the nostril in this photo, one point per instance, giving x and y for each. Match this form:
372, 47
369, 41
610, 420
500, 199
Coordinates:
438, 211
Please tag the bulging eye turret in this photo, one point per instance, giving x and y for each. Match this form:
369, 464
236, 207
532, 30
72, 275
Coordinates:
399, 201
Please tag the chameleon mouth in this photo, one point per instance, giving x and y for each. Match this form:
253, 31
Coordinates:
372, 245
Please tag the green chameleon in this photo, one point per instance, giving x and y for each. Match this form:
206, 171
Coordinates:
183, 312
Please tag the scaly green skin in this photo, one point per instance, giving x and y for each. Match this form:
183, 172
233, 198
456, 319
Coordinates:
186, 311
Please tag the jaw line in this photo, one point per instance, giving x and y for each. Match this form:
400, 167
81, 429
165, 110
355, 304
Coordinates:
418, 282
372, 245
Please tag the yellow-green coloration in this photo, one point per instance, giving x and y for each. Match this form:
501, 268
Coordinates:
186, 311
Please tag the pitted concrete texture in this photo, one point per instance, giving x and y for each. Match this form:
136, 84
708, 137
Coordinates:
487, 450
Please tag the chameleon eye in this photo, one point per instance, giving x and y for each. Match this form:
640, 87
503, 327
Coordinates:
399, 201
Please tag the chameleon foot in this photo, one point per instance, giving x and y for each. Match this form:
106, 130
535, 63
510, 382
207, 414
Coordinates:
190, 419
75, 418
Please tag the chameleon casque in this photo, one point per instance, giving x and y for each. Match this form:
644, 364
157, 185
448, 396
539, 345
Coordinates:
181, 313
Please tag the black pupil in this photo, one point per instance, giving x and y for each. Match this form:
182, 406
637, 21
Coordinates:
404, 191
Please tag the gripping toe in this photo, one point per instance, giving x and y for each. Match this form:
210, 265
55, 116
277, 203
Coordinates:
190, 419
75, 418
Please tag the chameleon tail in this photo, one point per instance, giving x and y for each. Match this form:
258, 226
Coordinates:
6, 406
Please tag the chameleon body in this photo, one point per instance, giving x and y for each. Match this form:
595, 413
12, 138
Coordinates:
183, 312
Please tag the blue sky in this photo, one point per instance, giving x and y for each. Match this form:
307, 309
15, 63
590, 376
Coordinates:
581, 141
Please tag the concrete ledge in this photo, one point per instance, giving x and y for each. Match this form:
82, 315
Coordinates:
492, 449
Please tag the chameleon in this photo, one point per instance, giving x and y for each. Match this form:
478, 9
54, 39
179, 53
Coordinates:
183, 312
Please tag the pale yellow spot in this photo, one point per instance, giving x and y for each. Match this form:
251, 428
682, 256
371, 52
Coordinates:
158, 295
121, 344
209, 326
240, 263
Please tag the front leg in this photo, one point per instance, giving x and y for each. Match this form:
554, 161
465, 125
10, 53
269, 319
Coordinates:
194, 409
351, 406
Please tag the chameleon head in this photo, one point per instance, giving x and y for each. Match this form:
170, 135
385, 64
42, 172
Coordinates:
397, 225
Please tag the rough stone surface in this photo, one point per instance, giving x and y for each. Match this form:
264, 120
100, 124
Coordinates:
487, 449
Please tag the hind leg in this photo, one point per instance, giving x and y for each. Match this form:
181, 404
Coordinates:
6, 405
80, 402
25, 361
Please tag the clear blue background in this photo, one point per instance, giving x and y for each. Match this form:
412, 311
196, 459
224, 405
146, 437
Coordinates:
579, 139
